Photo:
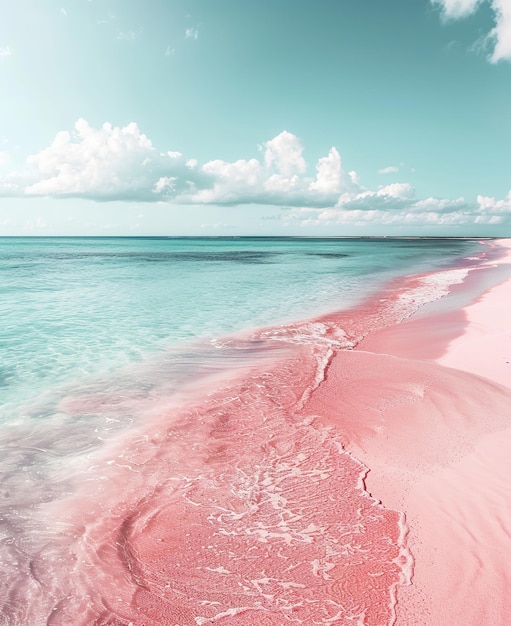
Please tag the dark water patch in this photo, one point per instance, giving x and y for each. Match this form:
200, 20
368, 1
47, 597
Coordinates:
236, 256
329, 255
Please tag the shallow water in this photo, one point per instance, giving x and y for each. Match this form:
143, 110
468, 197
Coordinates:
76, 307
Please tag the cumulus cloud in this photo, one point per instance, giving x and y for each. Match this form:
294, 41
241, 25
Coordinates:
285, 153
121, 163
500, 35
114, 163
5, 51
109, 163
95, 161
329, 174
280, 178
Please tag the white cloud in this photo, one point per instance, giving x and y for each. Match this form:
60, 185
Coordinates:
121, 163
285, 153
5, 51
170, 51
4, 158
113, 163
354, 178
279, 179
391, 169
192, 33
501, 33
63, 11
241, 180
396, 205
495, 207
106, 163
402, 191
329, 174
165, 183
454, 9
499, 37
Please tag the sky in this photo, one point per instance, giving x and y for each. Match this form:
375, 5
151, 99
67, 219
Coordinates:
245, 117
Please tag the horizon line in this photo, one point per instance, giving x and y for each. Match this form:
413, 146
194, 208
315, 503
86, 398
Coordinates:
474, 237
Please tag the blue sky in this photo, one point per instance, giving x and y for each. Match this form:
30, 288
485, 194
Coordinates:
237, 117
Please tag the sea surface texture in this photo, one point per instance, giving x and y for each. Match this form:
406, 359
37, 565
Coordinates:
164, 457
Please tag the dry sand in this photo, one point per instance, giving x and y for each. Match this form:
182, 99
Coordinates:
437, 438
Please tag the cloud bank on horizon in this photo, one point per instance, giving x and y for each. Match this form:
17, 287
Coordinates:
114, 163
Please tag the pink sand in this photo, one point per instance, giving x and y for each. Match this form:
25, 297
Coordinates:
485, 347
437, 437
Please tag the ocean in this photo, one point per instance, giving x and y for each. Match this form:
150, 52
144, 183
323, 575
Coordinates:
164, 459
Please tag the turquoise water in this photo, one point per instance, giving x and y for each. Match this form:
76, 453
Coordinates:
74, 307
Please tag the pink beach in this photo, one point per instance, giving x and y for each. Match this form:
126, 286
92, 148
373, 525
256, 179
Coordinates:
424, 404
357, 476
255, 313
